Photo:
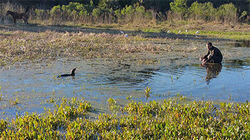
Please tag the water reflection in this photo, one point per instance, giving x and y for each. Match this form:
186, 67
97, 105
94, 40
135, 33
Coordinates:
34, 85
131, 77
213, 71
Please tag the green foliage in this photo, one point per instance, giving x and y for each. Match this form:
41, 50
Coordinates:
170, 119
1, 96
202, 11
147, 92
142, 11
227, 13
113, 106
41, 14
96, 12
243, 16
55, 10
128, 12
74, 11
118, 13
123, 12
179, 7
3, 125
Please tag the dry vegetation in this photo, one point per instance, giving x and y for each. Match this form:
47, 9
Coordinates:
32, 45
22, 45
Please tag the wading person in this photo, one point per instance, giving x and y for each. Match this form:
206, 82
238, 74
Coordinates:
213, 55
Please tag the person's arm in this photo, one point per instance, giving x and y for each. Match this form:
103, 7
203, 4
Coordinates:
205, 56
209, 57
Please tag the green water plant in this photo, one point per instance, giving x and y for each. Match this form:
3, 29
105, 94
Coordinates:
147, 92
46, 125
173, 118
1, 96
113, 105
14, 101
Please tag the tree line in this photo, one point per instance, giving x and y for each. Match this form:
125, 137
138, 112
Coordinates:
124, 11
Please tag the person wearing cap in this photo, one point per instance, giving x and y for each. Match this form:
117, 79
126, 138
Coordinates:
213, 55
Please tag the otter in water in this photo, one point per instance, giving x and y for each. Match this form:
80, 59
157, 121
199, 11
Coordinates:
65, 75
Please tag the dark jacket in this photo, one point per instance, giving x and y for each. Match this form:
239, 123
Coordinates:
213, 56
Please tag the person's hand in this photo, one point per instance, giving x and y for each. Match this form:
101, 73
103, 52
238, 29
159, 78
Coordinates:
203, 63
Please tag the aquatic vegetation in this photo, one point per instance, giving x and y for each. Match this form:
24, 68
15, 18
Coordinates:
113, 106
14, 101
147, 92
172, 118
46, 125
1, 96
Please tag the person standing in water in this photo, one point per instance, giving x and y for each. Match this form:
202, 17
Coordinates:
213, 55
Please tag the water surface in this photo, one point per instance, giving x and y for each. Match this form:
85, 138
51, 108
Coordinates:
35, 85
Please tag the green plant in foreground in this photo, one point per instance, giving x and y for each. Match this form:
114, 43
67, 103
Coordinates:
170, 119
113, 106
147, 92
14, 102
1, 96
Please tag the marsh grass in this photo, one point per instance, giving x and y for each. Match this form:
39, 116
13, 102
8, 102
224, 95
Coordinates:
147, 92
174, 118
21, 46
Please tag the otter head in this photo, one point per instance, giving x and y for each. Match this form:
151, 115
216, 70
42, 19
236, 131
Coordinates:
73, 72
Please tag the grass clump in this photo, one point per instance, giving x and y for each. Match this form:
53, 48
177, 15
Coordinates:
1, 96
147, 92
172, 118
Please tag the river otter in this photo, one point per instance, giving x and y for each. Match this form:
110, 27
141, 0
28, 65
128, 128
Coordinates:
16, 15
65, 75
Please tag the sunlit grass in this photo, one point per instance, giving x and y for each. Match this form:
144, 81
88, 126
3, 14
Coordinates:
23, 46
210, 29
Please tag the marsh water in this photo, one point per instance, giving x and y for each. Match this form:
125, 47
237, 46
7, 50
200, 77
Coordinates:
35, 85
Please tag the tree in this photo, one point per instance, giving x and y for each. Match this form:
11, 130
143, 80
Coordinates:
179, 7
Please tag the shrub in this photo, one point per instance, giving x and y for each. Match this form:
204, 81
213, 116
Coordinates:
41, 14
179, 7
243, 16
140, 13
56, 10
128, 13
56, 14
111, 11
96, 13
202, 11
227, 13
